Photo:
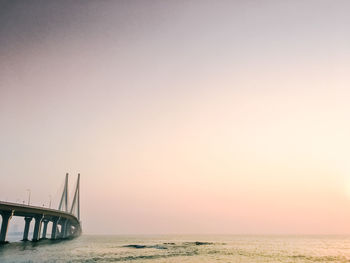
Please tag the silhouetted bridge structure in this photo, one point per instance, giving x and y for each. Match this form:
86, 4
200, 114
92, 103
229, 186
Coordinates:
65, 223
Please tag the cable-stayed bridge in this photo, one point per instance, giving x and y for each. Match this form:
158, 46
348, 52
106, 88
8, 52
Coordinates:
65, 220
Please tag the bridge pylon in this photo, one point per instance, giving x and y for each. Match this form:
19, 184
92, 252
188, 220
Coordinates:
76, 199
64, 198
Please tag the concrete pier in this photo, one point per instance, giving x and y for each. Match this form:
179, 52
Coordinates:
37, 227
54, 228
6, 216
66, 233
45, 222
26, 228
63, 228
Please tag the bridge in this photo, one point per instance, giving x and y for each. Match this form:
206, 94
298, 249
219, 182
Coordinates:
65, 220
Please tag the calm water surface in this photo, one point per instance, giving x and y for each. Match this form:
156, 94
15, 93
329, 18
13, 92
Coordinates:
182, 249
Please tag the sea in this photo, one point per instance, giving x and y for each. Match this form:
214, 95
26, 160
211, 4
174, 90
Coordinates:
177, 248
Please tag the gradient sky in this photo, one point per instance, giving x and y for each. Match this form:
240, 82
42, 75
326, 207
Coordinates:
181, 116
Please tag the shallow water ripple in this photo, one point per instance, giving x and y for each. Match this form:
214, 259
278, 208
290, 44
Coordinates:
165, 249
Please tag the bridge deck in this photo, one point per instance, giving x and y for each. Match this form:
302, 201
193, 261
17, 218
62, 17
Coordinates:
31, 211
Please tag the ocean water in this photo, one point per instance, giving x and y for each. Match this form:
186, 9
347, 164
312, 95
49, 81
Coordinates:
182, 249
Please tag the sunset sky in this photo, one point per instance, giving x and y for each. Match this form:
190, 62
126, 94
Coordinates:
227, 117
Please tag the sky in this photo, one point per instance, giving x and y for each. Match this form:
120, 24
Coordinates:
183, 117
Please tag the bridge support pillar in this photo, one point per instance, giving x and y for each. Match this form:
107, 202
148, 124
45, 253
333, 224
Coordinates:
64, 229
67, 233
6, 216
37, 227
26, 228
54, 228
45, 222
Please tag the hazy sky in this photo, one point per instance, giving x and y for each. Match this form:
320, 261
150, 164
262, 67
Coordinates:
182, 116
